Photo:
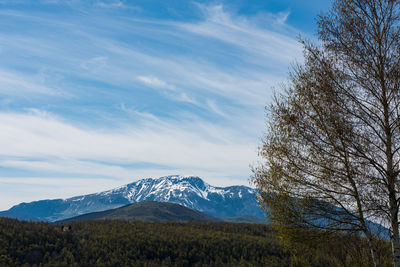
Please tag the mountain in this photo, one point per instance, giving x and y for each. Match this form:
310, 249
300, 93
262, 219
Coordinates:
191, 192
151, 211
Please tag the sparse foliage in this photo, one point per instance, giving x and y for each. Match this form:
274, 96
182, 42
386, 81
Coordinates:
332, 149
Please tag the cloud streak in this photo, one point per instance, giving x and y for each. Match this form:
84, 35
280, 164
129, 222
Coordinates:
240, 32
170, 144
102, 92
19, 84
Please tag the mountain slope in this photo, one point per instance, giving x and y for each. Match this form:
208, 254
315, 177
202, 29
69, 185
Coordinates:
191, 192
148, 211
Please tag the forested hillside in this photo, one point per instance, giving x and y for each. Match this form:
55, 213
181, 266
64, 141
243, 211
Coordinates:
120, 243
149, 211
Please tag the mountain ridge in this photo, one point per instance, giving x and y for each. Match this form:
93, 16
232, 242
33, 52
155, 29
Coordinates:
150, 211
189, 191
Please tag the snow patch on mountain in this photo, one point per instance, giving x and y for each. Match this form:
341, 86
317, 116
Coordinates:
189, 191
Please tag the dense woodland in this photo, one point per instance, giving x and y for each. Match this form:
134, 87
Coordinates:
121, 243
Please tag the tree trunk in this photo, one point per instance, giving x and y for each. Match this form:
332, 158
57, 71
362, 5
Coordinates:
372, 248
375, 257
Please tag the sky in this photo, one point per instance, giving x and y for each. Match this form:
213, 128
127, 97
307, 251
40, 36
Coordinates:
96, 94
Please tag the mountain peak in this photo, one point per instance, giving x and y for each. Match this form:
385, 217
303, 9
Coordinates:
189, 191
193, 180
181, 178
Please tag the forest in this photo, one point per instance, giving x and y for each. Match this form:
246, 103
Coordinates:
122, 243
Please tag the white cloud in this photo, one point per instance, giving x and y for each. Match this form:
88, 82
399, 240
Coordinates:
184, 97
121, 64
282, 17
171, 91
118, 4
58, 145
138, 114
244, 86
241, 32
95, 64
111, 4
154, 82
215, 108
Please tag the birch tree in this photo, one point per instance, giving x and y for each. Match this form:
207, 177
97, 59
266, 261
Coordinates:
332, 149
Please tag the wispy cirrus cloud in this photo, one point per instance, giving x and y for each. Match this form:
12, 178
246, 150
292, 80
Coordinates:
165, 143
155, 82
114, 98
170, 90
248, 35
282, 17
21, 84
111, 4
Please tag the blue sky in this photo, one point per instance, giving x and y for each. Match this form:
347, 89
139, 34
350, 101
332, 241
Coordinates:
97, 94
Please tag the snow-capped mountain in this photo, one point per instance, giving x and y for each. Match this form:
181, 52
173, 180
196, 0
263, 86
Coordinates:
190, 191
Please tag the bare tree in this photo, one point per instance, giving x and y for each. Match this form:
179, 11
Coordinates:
332, 148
